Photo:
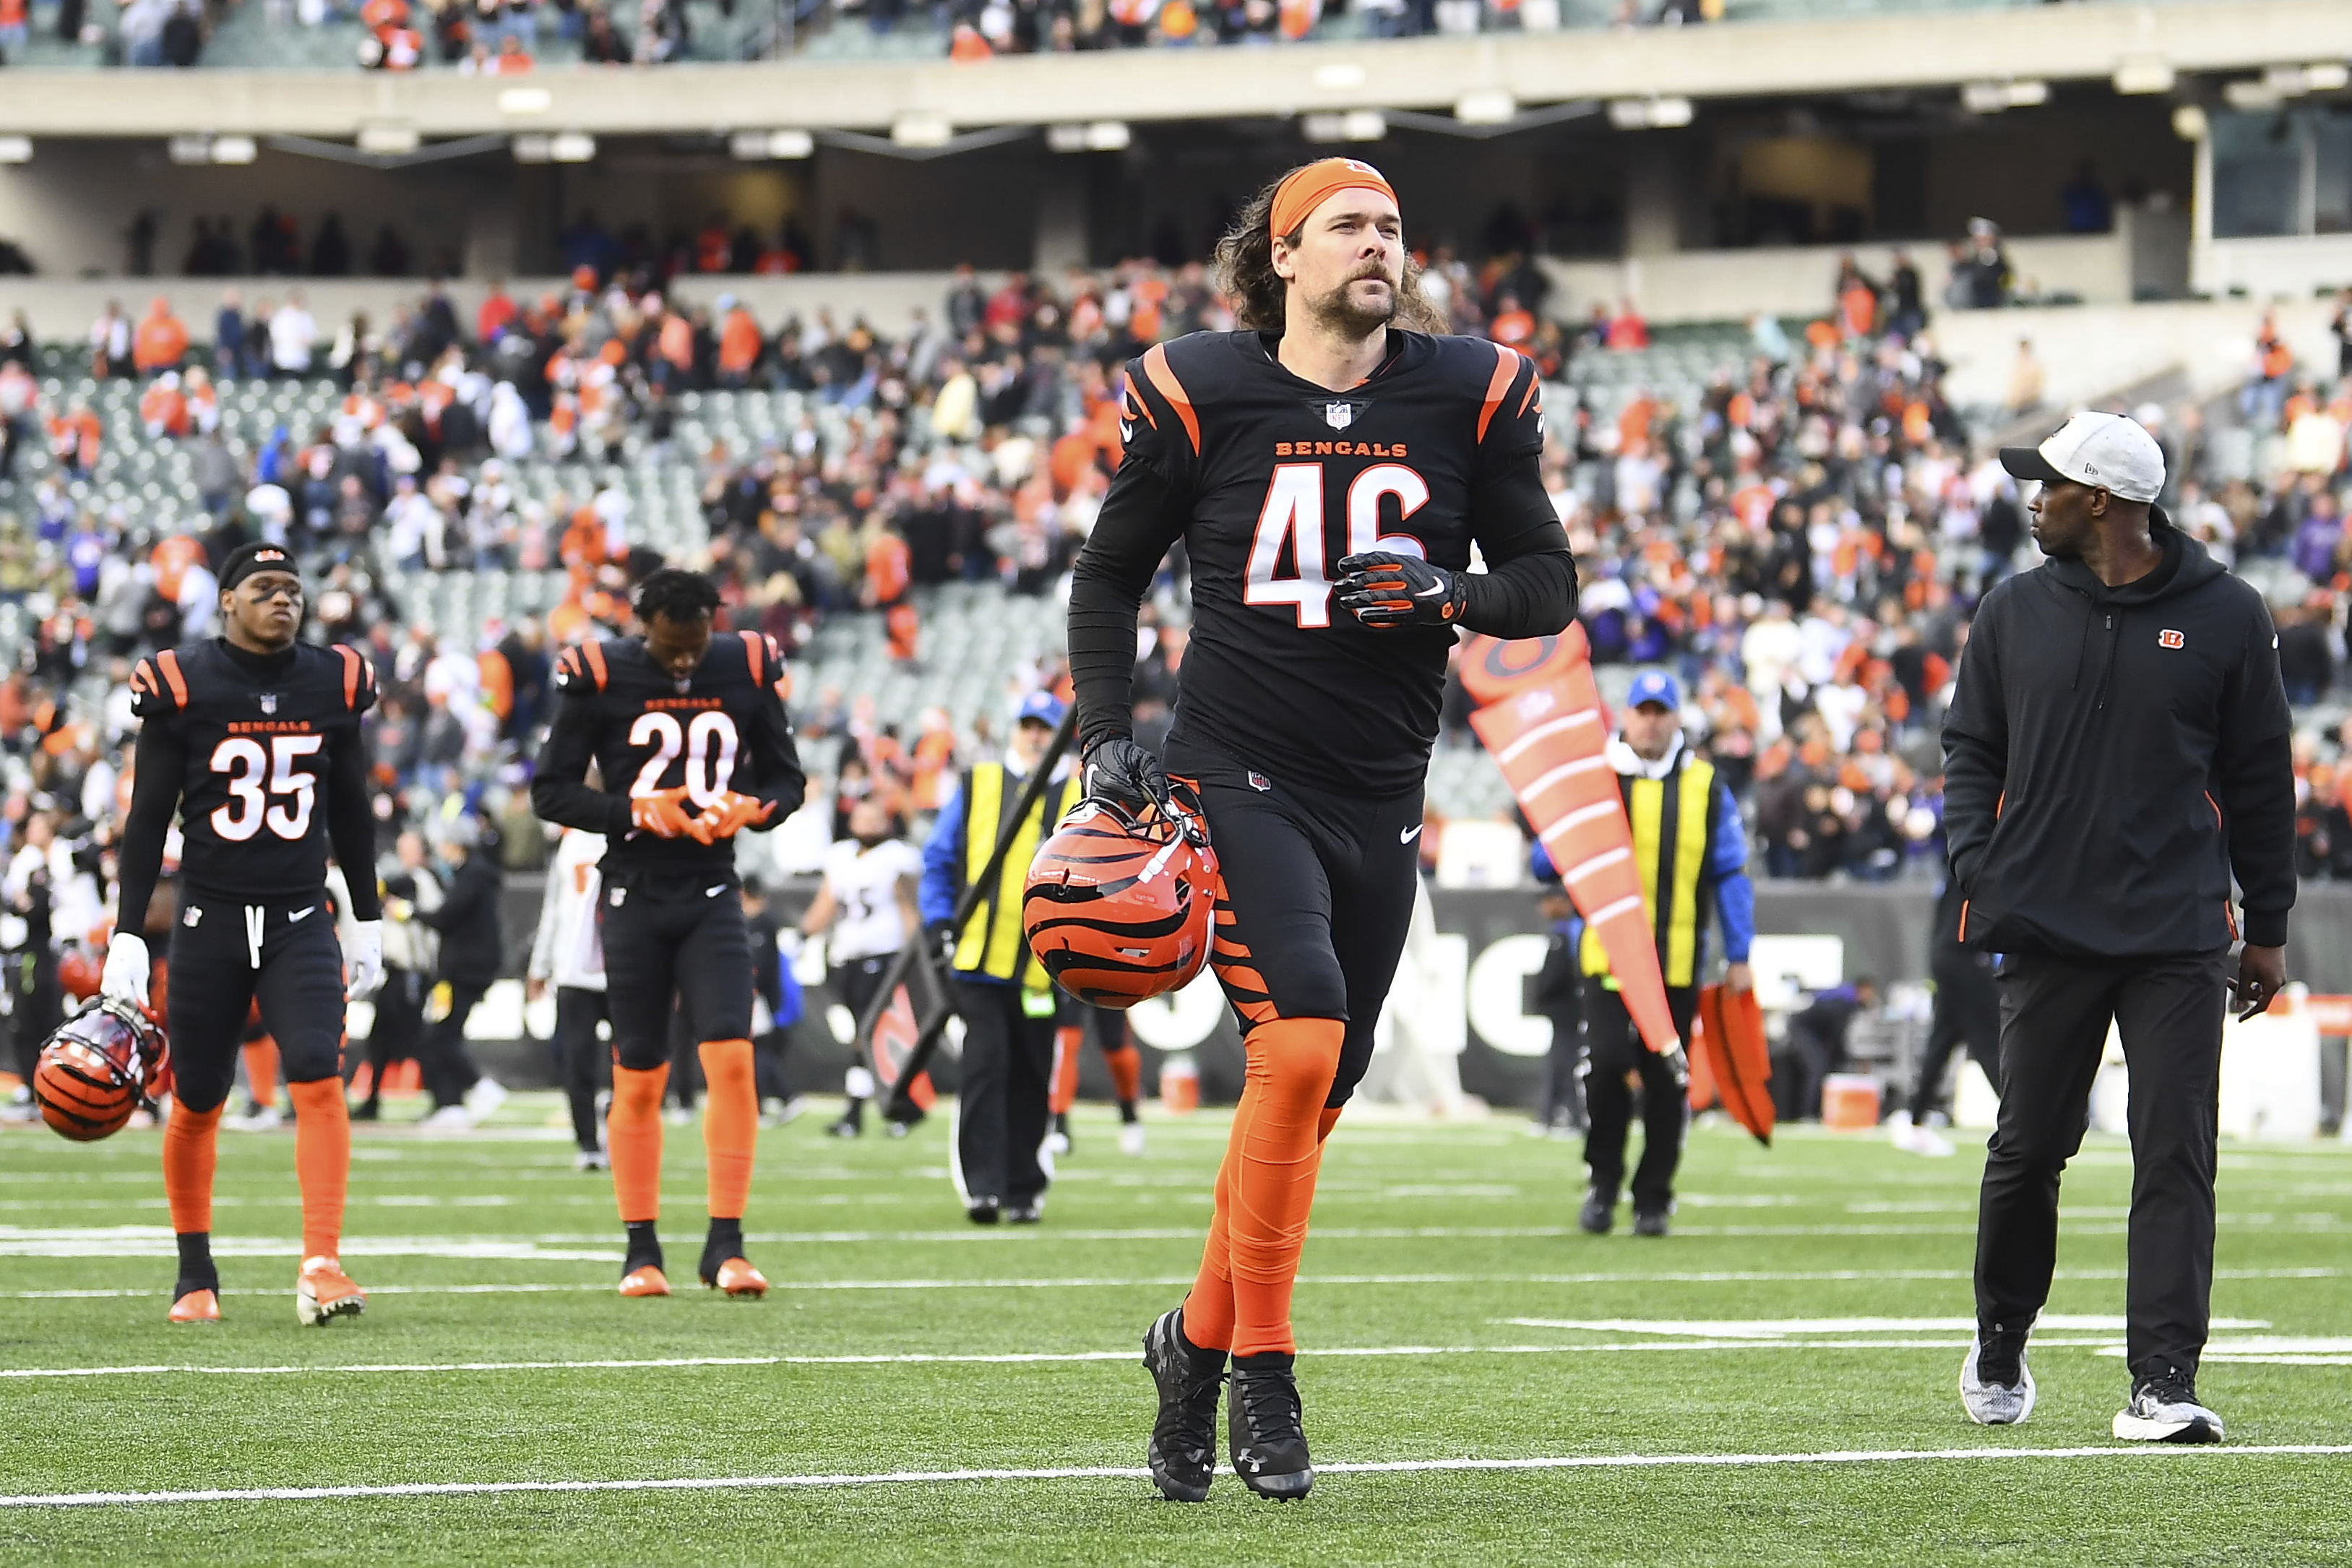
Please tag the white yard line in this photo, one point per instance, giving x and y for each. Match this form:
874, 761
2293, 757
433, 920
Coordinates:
1123, 1472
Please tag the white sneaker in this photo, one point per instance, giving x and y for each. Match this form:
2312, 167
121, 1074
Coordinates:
1057, 1143
1130, 1137
20, 1109
592, 1160
484, 1098
260, 1119
678, 1116
449, 1119
1997, 1404
780, 1112
2165, 1410
1920, 1141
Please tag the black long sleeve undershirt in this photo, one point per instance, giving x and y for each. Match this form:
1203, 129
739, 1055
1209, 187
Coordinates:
1528, 590
351, 822
159, 762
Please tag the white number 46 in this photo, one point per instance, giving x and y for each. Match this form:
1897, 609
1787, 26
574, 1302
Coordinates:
1294, 510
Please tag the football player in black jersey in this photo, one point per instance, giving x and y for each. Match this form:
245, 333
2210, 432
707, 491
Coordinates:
1330, 468
254, 739
694, 728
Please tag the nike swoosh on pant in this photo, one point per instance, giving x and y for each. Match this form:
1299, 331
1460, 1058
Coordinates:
297, 914
714, 892
1407, 835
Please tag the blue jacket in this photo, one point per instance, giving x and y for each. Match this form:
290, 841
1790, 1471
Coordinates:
1725, 872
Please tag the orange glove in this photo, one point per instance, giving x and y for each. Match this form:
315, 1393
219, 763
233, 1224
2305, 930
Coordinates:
660, 814
729, 814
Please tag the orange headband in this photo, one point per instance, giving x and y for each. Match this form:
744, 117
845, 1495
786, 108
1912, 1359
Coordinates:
1304, 190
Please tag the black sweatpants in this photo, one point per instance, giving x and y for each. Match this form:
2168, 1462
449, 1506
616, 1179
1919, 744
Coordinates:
1000, 1108
442, 1059
1967, 1014
224, 957
37, 1003
674, 937
1563, 1090
399, 1029
580, 1058
1319, 892
1614, 1048
2053, 1030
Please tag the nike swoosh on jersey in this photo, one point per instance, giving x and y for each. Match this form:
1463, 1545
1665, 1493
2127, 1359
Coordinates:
714, 892
297, 914
1430, 592
1407, 835
1125, 432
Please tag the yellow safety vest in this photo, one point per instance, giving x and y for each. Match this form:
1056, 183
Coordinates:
994, 943
1674, 827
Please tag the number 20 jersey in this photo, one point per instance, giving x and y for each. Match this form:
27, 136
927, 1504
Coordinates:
1282, 480
724, 729
252, 804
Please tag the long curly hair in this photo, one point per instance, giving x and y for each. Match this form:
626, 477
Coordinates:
1245, 274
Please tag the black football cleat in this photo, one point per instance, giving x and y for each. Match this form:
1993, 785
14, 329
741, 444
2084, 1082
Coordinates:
1263, 1436
1650, 1222
1183, 1451
1600, 1213
983, 1211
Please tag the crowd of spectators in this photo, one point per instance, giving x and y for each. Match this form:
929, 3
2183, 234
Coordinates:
1803, 539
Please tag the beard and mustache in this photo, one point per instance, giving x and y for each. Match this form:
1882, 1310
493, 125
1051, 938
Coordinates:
1339, 313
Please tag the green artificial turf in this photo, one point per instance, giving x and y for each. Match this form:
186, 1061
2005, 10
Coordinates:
1430, 1241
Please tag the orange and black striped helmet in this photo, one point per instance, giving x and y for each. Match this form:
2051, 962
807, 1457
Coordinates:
99, 1067
1118, 909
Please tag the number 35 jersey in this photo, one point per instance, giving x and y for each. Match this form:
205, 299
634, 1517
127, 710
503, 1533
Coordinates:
723, 729
257, 735
1281, 479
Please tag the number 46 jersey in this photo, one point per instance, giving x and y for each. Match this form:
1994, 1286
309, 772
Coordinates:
722, 729
257, 736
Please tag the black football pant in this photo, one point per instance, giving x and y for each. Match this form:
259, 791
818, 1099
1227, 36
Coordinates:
226, 956
399, 1028
1006, 1080
1320, 890
2053, 1030
674, 937
580, 1057
1967, 1014
442, 1059
1612, 1048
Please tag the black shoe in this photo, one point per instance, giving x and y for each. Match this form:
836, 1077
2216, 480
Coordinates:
1183, 1451
984, 1211
1263, 1436
2165, 1409
900, 1126
1600, 1213
850, 1125
1029, 1213
1650, 1222
366, 1110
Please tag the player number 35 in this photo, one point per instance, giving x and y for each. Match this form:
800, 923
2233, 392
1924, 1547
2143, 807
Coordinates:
282, 803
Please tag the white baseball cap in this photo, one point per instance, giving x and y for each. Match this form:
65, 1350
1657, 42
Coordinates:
2106, 451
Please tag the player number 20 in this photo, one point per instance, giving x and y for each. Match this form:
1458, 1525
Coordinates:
709, 744
1293, 511
264, 787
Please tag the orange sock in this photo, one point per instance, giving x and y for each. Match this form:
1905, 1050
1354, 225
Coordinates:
1209, 1305
191, 1144
261, 1069
1125, 1073
1065, 1092
632, 1137
731, 1124
323, 1159
1275, 1153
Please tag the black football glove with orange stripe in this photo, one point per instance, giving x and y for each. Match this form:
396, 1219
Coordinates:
1382, 588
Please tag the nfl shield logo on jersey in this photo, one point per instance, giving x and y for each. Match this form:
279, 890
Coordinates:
1340, 416
268, 701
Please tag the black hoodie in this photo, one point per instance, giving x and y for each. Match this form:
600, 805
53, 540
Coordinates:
2112, 754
